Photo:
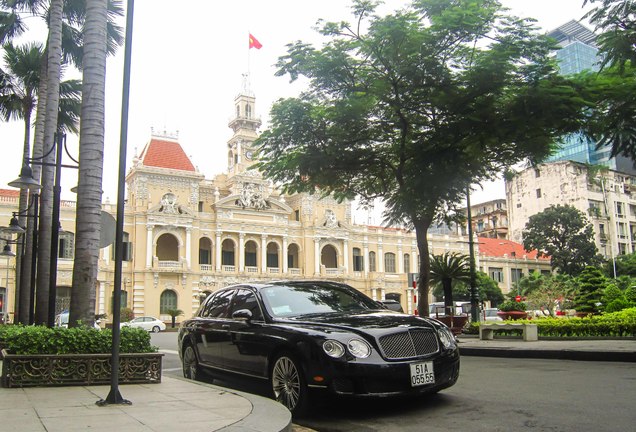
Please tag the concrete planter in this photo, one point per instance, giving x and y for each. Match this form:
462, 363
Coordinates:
40, 370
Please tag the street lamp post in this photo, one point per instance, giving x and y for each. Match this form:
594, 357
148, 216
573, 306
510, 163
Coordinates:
26, 181
474, 298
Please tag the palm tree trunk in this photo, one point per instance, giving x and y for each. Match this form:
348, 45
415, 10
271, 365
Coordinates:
27, 272
448, 296
91, 158
22, 209
421, 230
54, 60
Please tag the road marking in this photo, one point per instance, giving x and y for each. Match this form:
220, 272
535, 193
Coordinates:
165, 351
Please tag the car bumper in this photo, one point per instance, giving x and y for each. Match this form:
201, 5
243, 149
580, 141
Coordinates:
388, 378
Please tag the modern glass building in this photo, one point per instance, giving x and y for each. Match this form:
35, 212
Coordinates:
578, 52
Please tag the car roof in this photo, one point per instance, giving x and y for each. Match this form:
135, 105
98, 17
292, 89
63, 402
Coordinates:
259, 286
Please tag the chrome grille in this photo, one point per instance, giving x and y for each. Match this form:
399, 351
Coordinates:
409, 344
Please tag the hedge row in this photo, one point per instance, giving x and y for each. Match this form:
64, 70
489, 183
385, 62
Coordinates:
616, 324
19, 339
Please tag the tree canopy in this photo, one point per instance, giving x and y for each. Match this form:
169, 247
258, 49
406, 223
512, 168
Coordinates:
563, 234
612, 120
415, 106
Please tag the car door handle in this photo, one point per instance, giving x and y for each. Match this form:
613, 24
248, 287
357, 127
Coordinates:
225, 326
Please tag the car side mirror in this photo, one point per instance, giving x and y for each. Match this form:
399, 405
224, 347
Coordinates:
243, 314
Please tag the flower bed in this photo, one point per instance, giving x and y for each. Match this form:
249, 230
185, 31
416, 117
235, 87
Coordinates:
41, 356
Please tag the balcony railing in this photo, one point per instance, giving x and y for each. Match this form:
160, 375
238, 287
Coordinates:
228, 268
251, 269
169, 265
206, 267
294, 271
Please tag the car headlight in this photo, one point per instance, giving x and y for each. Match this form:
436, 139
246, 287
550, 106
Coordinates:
447, 338
333, 348
359, 348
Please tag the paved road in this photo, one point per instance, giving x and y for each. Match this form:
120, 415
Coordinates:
493, 394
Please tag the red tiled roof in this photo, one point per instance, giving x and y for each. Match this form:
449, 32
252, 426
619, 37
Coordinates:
13, 193
162, 153
499, 247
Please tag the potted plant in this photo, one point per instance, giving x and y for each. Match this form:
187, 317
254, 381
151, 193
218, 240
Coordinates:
511, 309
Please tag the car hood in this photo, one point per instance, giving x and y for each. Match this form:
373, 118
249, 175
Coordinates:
373, 322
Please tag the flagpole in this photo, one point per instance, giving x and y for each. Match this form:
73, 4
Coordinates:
249, 60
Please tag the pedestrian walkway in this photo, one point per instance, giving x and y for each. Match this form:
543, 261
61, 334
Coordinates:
173, 405
623, 350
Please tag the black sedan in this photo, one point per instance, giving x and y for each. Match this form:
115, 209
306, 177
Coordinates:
310, 335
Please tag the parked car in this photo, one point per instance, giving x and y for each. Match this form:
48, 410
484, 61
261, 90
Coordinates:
147, 323
490, 314
393, 305
61, 320
310, 336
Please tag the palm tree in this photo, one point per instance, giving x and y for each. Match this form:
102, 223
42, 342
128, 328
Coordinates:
89, 194
447, 268
66, 19
18, 101
174, 313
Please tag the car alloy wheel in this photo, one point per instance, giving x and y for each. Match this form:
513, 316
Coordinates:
156, 329
191, 368
288, 384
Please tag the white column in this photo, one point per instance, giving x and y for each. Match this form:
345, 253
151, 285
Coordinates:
284, 258
380, 257
382, 294
365, 254
102, 298
373, 293
400, 258
241, 259
346, 256
263, 253
188, 254
149, 251
409, 300
414, 252
218, 251
316, 256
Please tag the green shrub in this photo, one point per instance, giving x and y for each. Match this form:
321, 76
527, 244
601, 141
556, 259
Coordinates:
511, 305
616, 324
18, 339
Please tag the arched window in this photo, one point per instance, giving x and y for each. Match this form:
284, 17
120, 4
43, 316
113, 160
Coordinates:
248, 111
205, 251
167, 301
371, 261
167, 248
227, 252
329, 257
250, 254
238, 111
292, 256
389, 262
407, 263
272, 255
358, 262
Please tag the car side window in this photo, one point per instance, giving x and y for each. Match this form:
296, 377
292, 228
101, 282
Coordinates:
245, 299
217, 305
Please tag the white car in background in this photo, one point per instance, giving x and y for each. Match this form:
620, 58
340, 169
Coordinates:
147, 323
490, 314
61, 320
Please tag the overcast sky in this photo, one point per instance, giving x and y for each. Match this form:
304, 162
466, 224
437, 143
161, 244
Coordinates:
188, 60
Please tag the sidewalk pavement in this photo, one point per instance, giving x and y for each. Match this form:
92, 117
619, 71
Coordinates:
180, 404
173, 405
620, 350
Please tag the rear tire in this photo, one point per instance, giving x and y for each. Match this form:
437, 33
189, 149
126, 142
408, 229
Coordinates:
191, 368
289, 386
156, 329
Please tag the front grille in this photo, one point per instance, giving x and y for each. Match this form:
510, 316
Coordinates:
409, 344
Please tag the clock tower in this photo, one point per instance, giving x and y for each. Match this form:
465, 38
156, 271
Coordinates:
245, 124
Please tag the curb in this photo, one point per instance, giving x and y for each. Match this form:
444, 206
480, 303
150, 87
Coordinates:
608, 356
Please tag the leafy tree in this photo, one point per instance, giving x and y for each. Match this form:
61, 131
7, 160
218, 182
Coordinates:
563, 234
546, 292
625, 265
447, 268
613, 299
415, 106
612, 119
591, 284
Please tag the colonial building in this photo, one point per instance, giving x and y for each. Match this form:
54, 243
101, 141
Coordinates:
489, 219
186, 235
606, 197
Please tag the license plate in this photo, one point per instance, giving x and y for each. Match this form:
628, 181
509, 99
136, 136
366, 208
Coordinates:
422, 374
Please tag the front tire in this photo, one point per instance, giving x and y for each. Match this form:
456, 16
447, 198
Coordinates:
191, 368
289, 386
156, 329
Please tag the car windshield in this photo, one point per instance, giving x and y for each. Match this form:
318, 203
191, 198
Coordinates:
294, 300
